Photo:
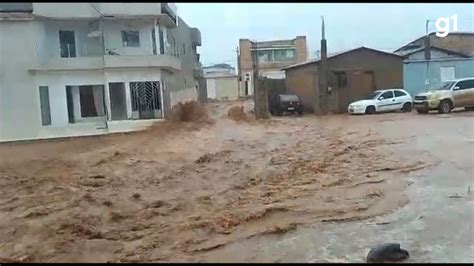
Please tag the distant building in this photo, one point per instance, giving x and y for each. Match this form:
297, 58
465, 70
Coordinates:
450, 57
272, 57
352, 75
219, 68
221, 82
455, 42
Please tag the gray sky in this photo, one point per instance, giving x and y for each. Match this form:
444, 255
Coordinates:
349, 25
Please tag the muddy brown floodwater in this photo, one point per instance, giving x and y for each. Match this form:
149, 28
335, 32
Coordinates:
179, 190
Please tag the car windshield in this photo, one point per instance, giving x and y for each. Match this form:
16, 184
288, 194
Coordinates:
289, 98
372, 95
445, 86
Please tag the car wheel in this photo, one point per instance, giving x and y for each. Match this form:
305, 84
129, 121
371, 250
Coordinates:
406, 107
370, 110
444, 107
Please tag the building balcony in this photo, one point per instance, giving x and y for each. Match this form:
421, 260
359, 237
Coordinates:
195, 37
73, 63
164, 61
167, 62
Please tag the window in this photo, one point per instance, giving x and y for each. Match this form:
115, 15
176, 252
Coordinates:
162, 42
184, 48
341, 79
44, 105
399, 93
387, 95
130, 38
465, 84
284, 54
447, 73
67, 43
153, 40
264, 56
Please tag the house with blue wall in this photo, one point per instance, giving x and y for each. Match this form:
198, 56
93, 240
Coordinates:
448, 58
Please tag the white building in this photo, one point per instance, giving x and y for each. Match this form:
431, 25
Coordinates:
75, 69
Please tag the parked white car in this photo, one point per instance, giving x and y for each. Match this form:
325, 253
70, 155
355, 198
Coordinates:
383, 101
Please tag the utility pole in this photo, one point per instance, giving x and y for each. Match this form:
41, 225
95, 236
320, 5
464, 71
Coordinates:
323, 84
427, 44
105, 87
260, 92
255, 75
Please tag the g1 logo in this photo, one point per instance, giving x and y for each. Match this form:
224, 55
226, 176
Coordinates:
443, 25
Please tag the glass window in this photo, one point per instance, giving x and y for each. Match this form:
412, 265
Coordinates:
387, 95
44, 105
130, 38
465, 84
67, 43
284, 54
399, 93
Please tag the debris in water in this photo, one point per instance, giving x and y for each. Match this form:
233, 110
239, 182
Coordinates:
388, 252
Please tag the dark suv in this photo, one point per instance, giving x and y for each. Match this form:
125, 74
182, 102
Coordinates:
283, 103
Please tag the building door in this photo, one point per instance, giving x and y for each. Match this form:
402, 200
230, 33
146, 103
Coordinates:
146, 99
70, 104
118, 102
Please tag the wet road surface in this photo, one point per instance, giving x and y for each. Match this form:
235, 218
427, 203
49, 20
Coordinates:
437, 224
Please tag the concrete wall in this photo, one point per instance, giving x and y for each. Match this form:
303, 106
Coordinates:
183, 87
19, 105
223, 87
415, 73
463, 43
434, 54
303, 81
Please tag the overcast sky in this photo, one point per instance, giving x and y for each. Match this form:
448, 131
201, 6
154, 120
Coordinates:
349, 25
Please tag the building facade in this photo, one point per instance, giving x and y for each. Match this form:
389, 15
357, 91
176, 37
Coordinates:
351, 75
219, 68
271, 57
80, 69
448, 58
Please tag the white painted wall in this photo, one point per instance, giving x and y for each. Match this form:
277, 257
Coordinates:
222, 87
30, 42
19, 97
113, 36
48, 45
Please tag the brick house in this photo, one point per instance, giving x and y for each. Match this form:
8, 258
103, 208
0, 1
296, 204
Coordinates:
272, 57
351, 75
